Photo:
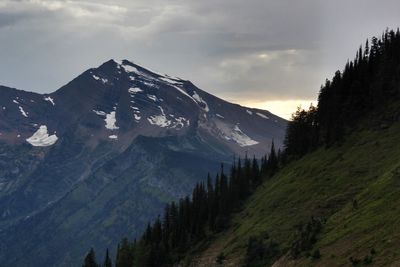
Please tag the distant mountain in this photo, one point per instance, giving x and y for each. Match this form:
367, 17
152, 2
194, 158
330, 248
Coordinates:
108, 150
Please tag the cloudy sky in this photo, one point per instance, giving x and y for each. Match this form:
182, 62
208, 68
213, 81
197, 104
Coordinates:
271, 54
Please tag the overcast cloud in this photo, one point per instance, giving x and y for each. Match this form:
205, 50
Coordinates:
245, 51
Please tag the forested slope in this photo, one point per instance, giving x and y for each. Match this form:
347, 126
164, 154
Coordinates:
335, 200
352, 189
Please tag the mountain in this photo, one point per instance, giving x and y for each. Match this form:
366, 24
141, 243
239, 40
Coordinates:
106, 150
329, 199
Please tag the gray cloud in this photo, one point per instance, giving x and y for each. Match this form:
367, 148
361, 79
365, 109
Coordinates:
256, 49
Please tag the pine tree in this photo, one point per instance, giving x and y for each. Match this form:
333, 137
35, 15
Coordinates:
212, 211
256, 172
166, 228
272, 159
366, 50
124, 254
107, 260
90, 259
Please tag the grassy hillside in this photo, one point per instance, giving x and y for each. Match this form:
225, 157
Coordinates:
353, 188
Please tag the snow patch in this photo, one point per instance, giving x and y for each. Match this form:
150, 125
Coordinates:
149, 84
181, 122
235, 134
113, 137
153, 97
165, 78
132, 69
134, 90
23, 112
97, 78
159, 120
241, 138
200, 100
163, 121
171, 80
41, 138
220, 116
136, 113
15, 101
111, 121
249, 112
183, 92
129, 68
99, 112
156, 72
50, 99
262, 116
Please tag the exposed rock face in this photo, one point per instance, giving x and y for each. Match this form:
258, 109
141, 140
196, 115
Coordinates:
107, 150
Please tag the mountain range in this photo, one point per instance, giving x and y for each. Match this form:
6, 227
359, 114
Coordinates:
108, 150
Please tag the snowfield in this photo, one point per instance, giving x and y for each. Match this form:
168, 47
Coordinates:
159, 120
235, 134
41, 138
111, 121
162, 120
241, 138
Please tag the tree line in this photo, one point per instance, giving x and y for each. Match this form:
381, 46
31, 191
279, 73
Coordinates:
368, 84
192, 219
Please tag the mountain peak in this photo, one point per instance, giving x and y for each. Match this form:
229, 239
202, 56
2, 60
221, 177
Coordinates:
138, 70
122, 99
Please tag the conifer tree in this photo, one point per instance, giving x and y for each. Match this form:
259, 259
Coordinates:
272, 159
90, 259
107, 260
366, 50
124, 254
